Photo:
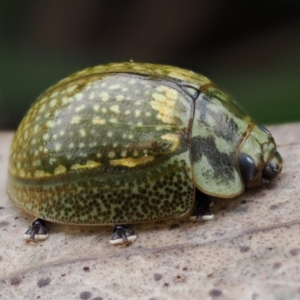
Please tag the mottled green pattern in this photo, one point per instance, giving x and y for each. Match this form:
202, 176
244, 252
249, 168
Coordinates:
218, 132
115, 117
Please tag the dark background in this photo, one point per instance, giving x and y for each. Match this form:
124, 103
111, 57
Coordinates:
250, 48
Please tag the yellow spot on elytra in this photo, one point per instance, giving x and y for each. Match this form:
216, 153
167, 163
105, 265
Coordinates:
54, 94
79, 108
45, 136
41, 173
57, 147
42, 108
60, 170
66, 100
82, 132
165, 108
173, 138
53, 102
114, 87
97, 121
170, 93
96, 107
163, 100
119, 97
131, 162
111, 154
115, 108
90, 164
104, 96
22, 173
78, 96
92, 96
76, 120
71, 88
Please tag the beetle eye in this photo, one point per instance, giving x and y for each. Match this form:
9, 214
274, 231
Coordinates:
247, 167
264, 129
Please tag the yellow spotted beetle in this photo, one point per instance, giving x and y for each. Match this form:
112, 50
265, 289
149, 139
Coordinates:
133, 142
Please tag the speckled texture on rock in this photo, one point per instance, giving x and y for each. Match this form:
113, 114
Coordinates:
251, 250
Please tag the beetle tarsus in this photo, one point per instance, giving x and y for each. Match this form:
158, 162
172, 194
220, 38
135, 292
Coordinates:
37, 231
122, 235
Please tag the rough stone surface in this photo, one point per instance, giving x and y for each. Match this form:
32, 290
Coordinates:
251, 250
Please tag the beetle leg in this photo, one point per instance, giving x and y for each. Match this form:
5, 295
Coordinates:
202, 207
37, 231
122, 235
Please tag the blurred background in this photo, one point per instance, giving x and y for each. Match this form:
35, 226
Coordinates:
249, 48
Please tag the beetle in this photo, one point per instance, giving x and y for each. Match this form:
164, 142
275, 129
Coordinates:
134, 142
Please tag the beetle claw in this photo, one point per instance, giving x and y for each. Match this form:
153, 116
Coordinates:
122, 235
36, 232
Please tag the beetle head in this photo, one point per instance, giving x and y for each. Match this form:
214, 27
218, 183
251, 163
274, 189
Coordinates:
259, 162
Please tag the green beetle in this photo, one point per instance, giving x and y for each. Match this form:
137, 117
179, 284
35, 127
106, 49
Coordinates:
133, 142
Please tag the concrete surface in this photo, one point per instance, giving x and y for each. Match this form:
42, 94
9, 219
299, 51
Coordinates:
251, 250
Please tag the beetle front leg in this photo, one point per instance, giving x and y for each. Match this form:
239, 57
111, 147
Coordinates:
122, 235
37, 231
202, 207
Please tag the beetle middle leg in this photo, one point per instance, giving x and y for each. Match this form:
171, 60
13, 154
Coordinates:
37, 231
202, 207
122, 235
